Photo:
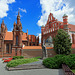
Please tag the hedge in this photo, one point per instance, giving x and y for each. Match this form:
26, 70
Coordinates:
18, 57
57, 61
17, 62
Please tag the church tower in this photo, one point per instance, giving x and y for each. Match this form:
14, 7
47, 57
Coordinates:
65, 22
17, 37
3, 30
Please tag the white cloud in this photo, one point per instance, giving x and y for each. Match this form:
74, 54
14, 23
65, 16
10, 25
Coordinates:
4, 7
23, 10
58, 8
39, 34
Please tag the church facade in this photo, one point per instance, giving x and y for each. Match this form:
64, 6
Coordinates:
52, 26
12, 43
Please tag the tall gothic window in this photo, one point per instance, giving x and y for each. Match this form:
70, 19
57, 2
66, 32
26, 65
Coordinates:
16, 40
11, 48
7, 48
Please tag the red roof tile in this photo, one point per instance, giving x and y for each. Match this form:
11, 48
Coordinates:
8, 36
36, 47
24, 37
32, 47
71, 27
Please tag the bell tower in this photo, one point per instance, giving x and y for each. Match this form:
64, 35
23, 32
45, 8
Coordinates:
65, 23
17, 37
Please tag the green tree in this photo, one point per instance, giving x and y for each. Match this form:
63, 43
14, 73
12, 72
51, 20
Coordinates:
62, 42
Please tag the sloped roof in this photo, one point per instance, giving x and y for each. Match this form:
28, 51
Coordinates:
32, 47
36, 47
8, 36
24, 37
71, 27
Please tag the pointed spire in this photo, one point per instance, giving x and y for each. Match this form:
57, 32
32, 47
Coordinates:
14, 23
18, 18
18, 12
3, 21
27, 31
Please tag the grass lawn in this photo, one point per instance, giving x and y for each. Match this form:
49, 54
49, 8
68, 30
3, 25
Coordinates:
17, 62
73, 71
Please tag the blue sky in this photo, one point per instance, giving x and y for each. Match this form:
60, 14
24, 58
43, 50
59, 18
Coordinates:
29, 18
34, 13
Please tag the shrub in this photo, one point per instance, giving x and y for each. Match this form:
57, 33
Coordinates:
17, 62
50, 63
18, 57
70, 61
38, 57
58, 60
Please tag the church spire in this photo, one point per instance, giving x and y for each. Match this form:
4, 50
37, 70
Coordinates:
2, 24
3, 21
18, 18
19, 13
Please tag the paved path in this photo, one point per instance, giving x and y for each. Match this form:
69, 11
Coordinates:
3, 71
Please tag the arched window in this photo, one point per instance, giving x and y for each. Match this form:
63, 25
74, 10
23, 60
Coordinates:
16, 40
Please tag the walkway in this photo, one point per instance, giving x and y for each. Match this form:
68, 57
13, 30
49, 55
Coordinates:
3, 71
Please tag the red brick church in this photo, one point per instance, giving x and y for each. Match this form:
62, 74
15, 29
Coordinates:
52, 26
11, 43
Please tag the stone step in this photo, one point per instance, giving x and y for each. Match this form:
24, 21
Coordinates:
26, 67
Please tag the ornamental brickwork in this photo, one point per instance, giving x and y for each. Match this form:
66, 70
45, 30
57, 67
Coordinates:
53, 25
12, 43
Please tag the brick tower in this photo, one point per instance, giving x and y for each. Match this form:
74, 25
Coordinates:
3, 30
17, 37
65, 22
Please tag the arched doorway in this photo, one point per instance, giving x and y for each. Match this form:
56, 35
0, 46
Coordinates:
49, 42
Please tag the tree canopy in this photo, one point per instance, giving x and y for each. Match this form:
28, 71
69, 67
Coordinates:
62, 42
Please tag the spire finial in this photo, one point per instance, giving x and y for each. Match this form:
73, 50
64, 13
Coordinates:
18, 12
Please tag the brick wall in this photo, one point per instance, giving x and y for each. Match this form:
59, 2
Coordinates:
32, 52
28, 53
37, 52
73, 51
